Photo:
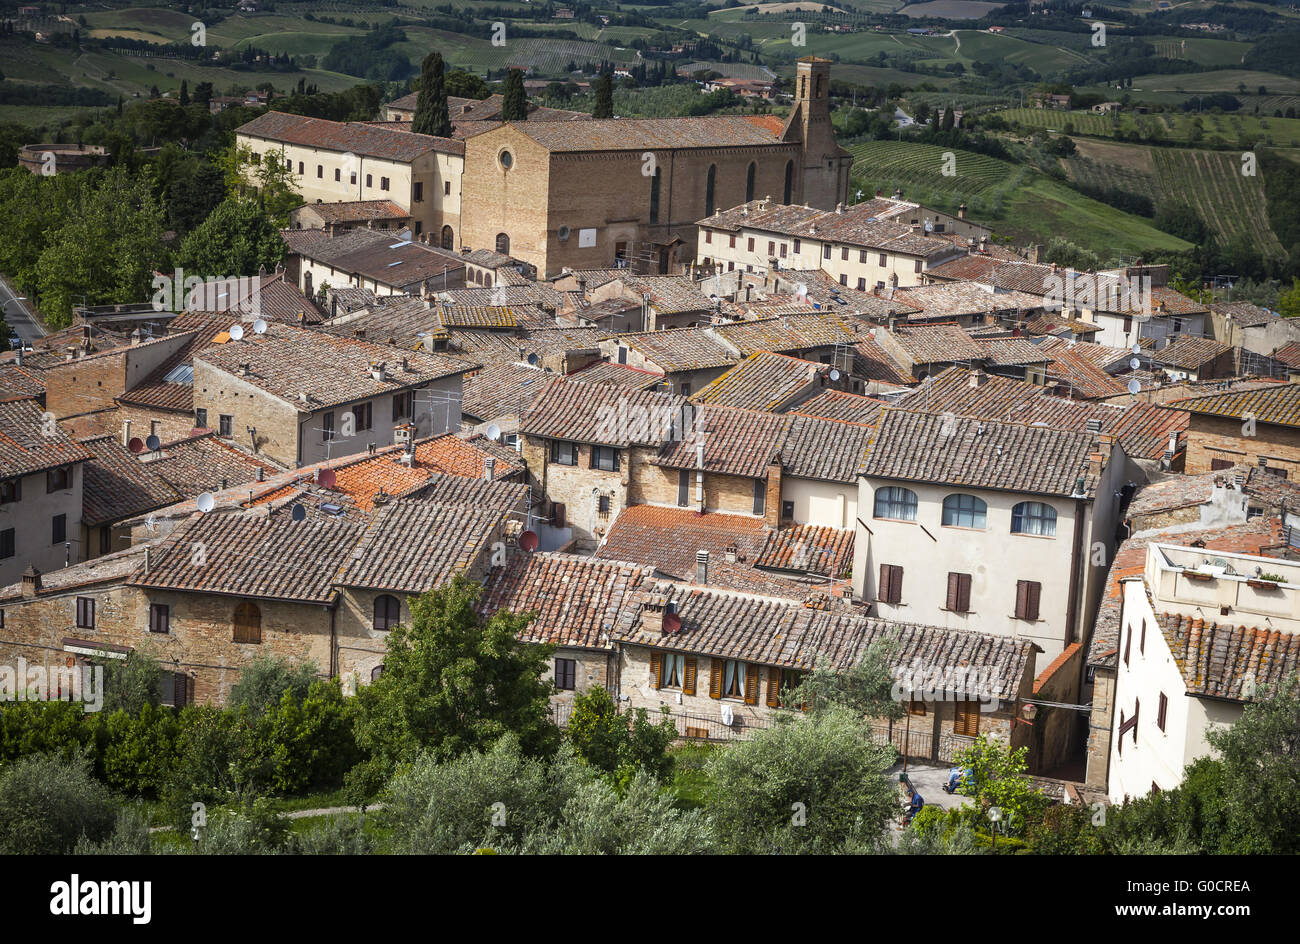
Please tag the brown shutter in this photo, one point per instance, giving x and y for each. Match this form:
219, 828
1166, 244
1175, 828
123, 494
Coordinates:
896, 584
773, 687
1020, 599
1032, 594
751, 683
954, 581
964, 594
688, 676
882, 588
959, 592
715, 678
1128, 643
656, 669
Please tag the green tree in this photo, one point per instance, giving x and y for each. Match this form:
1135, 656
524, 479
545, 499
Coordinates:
815, 785
270, 177
132, 683
464, 84
431, 114
514, 103
995, 776
184, 97
604, 107
453, 681
611, 740
867, 689
237, 238
48, 803
266, 678
1288, 301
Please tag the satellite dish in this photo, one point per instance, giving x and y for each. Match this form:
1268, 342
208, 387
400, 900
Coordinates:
532, 360
153, 443
206, 502
298, 512
1134, 386
1136, 349
236, 332
801, 291
528, 540
259, 326
562, 233
136, 444
835, 374
672, 623
1135, 363
493, 432
326, 478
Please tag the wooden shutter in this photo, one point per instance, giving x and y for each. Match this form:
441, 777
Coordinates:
656, 669
1027, 595
688, 676
1142, 640
773, 687
715, 678
891, 584
959, 592
179, 690
1128, 643
1160, 714
751, 683
968, 719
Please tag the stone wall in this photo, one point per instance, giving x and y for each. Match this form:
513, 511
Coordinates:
1214, 437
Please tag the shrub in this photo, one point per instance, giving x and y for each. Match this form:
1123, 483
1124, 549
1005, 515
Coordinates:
48, 803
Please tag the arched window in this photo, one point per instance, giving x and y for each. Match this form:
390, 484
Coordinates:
448, 238
654, 196
789, 181
503, 244
708, 189
965, 511
897, 503
1034, 518
376, 672
248, 622
388, 612
749, 181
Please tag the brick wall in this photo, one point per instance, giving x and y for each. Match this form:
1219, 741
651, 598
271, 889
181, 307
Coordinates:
655, 485
1213, 437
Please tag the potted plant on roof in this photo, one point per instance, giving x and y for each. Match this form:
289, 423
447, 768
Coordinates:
1263, 581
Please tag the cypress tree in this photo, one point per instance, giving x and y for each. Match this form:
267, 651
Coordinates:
514, 103
604, 97
431, 115
185, 92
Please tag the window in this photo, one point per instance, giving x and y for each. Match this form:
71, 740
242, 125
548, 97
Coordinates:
377, 673
56, 480
300, 167
708, 235
604, 458
248, 623
557, 515
564, 453
916, 266
967, 720
338, 176
507, 160
383, 183
709, 182
352, 178
503, 244
419, 227
175, 689
388, 612
201, 418
85, 613
783, 247
105, 539
370, 180
401, 404
1027, 596
59, 529
862, 285
760, 497
364, 414
750, 245
844, 254
1128, 643
685, 390
959, 592
1034, 518
1126, 726
884, 260
782, 680
826, 251
1162, 711
446, 189
672, 670
731, 244
11, 491
796, 245
159, 618
771, 247
736, 680
566, 671
1142, 640
844, 279
1128, 323
862, 256
964, 511
915, 707
327, 427
683, 487
6, 543
787, 511
890, 589
896, 503
418, 195
320, 172
603, 505
448, 238
226, 424
654, 196
749, 181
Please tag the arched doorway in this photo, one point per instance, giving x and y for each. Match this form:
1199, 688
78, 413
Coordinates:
503, 244
448, 238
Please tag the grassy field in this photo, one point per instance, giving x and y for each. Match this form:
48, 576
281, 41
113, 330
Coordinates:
1015, 201
1227, 129
544, 56
1210, 182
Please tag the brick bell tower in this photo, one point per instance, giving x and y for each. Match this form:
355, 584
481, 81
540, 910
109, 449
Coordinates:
823, 178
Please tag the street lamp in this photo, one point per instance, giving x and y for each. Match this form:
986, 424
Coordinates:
995, 817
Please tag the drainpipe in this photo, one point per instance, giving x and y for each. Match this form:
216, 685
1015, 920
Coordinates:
334, 648
1080, 513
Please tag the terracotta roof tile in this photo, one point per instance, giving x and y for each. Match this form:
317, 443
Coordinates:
598, 413
839, 405
24, 447
118, 485
1279, 404
1218, 660
736, 442
357, 137
764, 381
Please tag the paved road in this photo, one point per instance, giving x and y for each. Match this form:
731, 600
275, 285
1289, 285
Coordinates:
18, 317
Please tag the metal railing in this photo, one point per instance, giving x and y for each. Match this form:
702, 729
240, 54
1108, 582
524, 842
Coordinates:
921, 745
689, 727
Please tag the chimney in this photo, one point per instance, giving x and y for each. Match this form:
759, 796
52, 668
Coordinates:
489, 465
31, 582
701, 566
261, 473
978, 378
898, 194
652, 612
984, 244
1095, 462
961, 212
772, 500
126, 433
18, 356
